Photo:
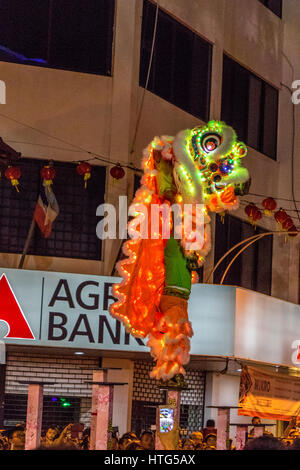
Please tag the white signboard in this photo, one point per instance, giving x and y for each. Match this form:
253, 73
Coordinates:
71, 310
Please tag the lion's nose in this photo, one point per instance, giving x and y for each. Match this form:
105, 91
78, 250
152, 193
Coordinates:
241, 189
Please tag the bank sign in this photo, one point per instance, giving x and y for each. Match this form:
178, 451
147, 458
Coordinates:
49, 309
71, 310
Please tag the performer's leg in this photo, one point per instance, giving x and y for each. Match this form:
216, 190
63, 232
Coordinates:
171, 348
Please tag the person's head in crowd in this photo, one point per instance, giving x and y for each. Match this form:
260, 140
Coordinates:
211, 440
124, 441
188, 445
256, 421
134, 445
52, 433
196, 437
210, 423
147, 440
17, 438
264, 443
210, 428
287, 442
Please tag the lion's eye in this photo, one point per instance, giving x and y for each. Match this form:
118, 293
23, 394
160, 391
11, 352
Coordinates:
210, 142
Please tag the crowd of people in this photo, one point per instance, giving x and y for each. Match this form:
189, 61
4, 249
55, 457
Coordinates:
53, 437
75, 437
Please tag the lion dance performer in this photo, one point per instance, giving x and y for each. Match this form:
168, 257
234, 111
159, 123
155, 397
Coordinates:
199, 167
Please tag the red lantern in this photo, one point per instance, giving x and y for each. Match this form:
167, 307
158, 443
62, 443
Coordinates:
253, 213
48, 174
287, 223
84, 169
13, 174
269, 205
280, 216
292, 229
117, 172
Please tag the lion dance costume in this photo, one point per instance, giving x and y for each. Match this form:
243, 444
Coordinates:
198, 167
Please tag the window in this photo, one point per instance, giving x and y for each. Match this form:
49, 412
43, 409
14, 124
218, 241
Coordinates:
181, 66
54, 413
253, 268
250, 105
67, 34
274, 5
74, 230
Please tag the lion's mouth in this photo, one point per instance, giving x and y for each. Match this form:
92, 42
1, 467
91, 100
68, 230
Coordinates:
240, 189
220, 186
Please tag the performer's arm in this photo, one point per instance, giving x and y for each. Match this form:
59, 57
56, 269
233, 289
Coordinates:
291, 425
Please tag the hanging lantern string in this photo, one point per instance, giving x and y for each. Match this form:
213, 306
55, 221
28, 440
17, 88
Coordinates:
276, 198
245, 201
95, 156
129, 166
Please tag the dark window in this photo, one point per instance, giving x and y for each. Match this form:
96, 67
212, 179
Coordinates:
54, 410
143, 415
68, 34
74, 230
250, 105
274, 5
181, 66
253, 268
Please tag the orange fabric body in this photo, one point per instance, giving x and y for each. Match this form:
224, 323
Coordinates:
139, 295
174, 307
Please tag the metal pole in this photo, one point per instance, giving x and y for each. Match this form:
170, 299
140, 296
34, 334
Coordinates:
27, 243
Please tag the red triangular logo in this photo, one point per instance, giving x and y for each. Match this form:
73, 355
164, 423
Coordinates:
11, 313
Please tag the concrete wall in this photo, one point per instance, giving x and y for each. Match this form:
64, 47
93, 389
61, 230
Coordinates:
100, 113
